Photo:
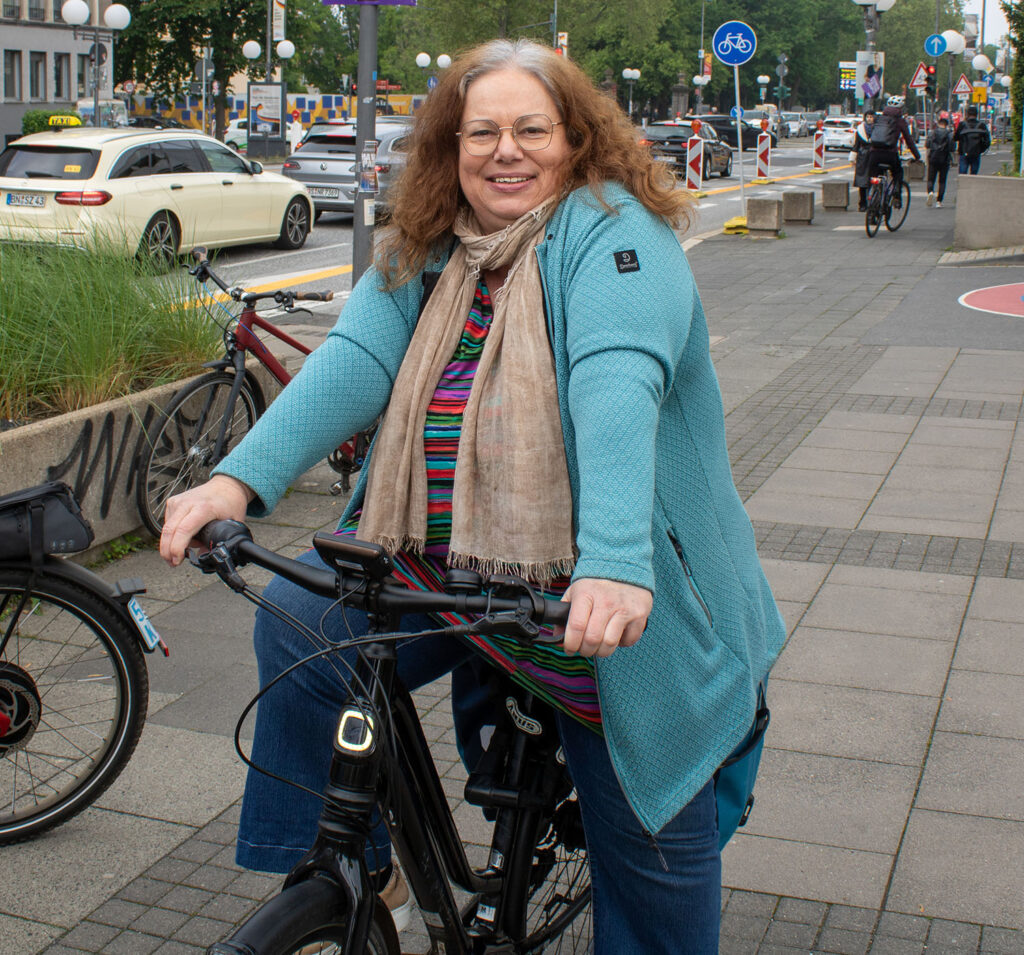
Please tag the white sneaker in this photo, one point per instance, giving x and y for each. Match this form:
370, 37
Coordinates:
395, 895
938, 205
930, 199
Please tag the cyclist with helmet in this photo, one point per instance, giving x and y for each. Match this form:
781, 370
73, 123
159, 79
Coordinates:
890, 124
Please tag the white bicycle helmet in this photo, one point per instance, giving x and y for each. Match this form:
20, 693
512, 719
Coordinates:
896, 101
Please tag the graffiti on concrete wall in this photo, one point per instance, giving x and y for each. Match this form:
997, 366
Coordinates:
104, 460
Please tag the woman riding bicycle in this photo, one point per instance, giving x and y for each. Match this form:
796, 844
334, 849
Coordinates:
553, 412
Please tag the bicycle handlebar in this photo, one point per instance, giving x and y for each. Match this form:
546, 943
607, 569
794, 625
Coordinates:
314, 296
362, 576
202, 271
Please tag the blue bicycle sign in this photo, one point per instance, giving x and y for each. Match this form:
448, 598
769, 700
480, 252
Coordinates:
734, 43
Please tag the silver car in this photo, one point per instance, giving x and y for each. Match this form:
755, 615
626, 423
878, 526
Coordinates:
327, 163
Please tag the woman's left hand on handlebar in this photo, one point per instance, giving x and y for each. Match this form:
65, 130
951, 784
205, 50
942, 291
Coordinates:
605, 615
220, 498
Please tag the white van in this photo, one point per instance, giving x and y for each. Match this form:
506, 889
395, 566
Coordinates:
113, 112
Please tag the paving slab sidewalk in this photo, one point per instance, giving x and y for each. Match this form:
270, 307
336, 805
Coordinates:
883, 473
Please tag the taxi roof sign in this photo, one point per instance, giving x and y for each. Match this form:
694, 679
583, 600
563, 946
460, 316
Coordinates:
64, 119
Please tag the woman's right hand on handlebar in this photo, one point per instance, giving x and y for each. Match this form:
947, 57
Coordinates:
220, 498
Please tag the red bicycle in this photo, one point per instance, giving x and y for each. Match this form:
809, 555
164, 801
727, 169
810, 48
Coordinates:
210, 415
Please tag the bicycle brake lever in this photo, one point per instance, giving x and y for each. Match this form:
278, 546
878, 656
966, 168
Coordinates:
293, 311
516, 623
218, 561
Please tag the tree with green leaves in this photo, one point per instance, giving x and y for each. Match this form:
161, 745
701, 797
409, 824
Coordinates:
1014, 11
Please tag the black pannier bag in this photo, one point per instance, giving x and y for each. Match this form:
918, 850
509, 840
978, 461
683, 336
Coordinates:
42, 520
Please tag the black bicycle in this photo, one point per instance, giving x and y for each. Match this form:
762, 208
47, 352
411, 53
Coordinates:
533, 895
74, 689
885, 203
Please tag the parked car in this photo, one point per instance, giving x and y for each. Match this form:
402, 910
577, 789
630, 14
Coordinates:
793, 125
840, 133
668, 142
237, 134
155, 122
327, 163
725, 126
156, 192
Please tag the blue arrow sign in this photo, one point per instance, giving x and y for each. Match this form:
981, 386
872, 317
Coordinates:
736, 112
734, 43
935, 45
431, 81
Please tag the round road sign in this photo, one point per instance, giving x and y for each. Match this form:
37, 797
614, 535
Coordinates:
734, 43
736, 112
935, 45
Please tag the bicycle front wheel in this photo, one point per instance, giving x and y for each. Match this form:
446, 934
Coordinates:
873, 216
178, 452
73, 697
304, 920
895, 217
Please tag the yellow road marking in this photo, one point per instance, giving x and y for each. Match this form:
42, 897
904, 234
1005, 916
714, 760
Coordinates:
796, 175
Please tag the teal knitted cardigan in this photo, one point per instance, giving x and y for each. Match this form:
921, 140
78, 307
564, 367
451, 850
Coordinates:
654, 502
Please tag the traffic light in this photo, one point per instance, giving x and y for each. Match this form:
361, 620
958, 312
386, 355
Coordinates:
781, 92
929, 82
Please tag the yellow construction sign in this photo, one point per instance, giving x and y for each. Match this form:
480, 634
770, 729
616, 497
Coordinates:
979, 93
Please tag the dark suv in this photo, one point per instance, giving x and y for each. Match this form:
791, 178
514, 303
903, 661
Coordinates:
668, 142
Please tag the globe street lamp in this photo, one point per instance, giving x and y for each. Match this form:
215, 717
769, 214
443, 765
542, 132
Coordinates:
955, 44
115, 17
630, 75
423, 62
699, 82
763, 80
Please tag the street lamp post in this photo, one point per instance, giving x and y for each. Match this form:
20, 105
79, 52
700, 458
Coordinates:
873, 10
955, 44
251, 50
700, 81
630, 75
115, 17
423, 62
763, 80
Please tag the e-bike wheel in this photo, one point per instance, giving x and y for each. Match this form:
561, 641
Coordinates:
894, 217
73, 698
177, 452
306, 919
558, 911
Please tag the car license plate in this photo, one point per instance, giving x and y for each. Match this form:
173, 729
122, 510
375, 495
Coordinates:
323, 192
25, 199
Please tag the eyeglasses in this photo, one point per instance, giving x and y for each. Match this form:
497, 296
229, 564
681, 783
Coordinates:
480, 137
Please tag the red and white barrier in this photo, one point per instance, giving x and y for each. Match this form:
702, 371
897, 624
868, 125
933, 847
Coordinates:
694, 163
819, 152
764, 158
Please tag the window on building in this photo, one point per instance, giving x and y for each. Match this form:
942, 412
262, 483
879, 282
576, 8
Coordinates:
12, 74
57, 18
37, 76
61, 76
12, 9
83, 75
36, 9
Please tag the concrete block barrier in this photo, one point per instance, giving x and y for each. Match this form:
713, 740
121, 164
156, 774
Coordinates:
914, 169
989, 212
835, 195
764, 217
798, 206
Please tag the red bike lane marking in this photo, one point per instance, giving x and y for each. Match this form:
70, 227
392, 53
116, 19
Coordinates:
998, 299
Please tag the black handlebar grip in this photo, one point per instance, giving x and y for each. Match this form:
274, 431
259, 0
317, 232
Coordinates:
200, 255
314, 296
217, 532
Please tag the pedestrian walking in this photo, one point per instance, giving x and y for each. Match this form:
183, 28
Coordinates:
860, 154
972, 139
939, 145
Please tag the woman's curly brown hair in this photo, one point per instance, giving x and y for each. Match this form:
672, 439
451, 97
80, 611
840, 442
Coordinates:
603, 148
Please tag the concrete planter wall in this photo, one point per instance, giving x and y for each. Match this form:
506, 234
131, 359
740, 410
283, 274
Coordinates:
989, 212
94, 451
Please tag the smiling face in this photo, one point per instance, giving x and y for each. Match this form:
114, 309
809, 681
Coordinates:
509, 182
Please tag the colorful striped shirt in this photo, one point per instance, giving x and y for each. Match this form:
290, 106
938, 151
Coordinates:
566, 682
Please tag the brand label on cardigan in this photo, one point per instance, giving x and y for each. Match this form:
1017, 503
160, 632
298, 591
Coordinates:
626, 261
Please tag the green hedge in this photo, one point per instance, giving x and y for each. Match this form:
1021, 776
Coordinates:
38, 120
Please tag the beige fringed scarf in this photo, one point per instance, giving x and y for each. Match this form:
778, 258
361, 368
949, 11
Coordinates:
511, 501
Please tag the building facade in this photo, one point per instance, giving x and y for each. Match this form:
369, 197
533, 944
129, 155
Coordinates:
45, 65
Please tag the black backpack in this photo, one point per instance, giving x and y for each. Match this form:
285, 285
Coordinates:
941, 140
884, 133
974, 138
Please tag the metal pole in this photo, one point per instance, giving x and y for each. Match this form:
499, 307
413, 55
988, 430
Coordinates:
366, 89
949, 86
96, 71
270, 38
739, 137
554, 26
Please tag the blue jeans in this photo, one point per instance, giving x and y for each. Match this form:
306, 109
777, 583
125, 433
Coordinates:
970, 165
651, 895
